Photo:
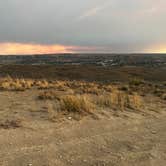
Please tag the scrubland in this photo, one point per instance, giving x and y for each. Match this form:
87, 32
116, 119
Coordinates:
82, 122
85, 98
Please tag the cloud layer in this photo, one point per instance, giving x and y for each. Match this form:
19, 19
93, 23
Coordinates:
21, 49
106, 25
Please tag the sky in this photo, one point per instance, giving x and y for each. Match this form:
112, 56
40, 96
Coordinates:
82, 26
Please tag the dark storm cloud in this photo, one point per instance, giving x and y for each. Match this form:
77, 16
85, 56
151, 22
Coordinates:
116, 25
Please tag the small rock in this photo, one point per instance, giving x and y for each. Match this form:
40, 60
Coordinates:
69, 118
154, 132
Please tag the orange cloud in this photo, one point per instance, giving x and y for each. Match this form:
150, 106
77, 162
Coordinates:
22, 49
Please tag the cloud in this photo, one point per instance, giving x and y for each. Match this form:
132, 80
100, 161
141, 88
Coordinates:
93, 11
116, 24
32, 48
20, 49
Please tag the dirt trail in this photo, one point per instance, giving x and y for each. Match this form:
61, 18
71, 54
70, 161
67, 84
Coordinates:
110, 141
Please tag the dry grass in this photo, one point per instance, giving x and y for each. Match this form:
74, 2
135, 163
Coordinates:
119, 96
52, 112
15, 84
83, 87
91, 90
42, 84
119, 100
9, 83
48, 95
76, 104
108, 88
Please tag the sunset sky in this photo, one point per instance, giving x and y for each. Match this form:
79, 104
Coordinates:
61, 26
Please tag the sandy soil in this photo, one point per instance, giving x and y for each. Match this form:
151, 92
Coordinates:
112, 139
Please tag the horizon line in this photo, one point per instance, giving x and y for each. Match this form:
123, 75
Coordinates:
69, 53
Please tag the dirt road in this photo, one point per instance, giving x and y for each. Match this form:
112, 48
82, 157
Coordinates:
113, 141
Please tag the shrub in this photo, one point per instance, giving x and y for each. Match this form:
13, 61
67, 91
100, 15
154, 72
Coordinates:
136, 82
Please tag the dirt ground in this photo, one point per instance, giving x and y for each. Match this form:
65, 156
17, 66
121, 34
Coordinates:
129, 138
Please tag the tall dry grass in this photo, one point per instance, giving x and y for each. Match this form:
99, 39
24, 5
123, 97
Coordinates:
76, 93
15, 84
76, 104
119, 100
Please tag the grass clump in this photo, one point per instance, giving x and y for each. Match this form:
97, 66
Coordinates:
91, 90
75, 104
15, 84
119, 100
48, 95
42, 84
